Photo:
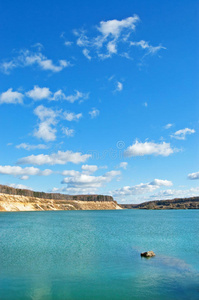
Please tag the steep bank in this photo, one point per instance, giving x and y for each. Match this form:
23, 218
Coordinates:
25, 203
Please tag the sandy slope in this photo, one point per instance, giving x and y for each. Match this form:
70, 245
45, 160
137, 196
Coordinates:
24, 203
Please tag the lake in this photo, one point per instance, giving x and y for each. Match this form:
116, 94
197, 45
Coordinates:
96, 255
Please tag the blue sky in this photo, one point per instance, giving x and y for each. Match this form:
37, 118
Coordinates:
100, 97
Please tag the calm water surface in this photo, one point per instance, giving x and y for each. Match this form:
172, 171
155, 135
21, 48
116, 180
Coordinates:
96, 255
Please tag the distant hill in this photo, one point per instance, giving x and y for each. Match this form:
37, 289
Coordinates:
177, 203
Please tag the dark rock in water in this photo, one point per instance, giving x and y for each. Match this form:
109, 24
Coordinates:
147, 254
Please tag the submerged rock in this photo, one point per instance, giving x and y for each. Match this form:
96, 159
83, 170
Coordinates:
147, 254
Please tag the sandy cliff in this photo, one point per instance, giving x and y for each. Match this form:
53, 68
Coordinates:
26, 203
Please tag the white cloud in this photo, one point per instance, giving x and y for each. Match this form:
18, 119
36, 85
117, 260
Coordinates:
11, 97
94, 113
70, 116
181, 134
169, 125
123, 165
77, 96
149, 148
28, 58
119, 86
38, 93
112, 48
59, 158
193, 176
171, 194
160, 182
46, 132
44, 113
28, 171
58, 95
115, 27
68, 43
146, 46
86, 53
31, 147
47, 119
109, 36
6, 67
80, 191
82, 40
141, 188
47, 64
24, 177
89, 169
38, 46
70, 173
111, 33
68, 132
84, 182
19, 186
145, 104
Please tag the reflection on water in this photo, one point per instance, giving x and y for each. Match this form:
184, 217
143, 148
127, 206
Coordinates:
96, 255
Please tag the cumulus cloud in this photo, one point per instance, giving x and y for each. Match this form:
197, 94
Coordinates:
11, 97
70, 173
109, 35
111, 38
70, 116
94, 113
59, 158
142, 188
47, 118
80, 191
182, 133
193, 176
28, 58
173, 193
38, 93
77, 96
84, 182
24, 173
89, 169
31, 147
46, 132
115, 27
86, 169
149, 148
68, 132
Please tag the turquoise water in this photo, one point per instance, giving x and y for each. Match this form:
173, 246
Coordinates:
96, 255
